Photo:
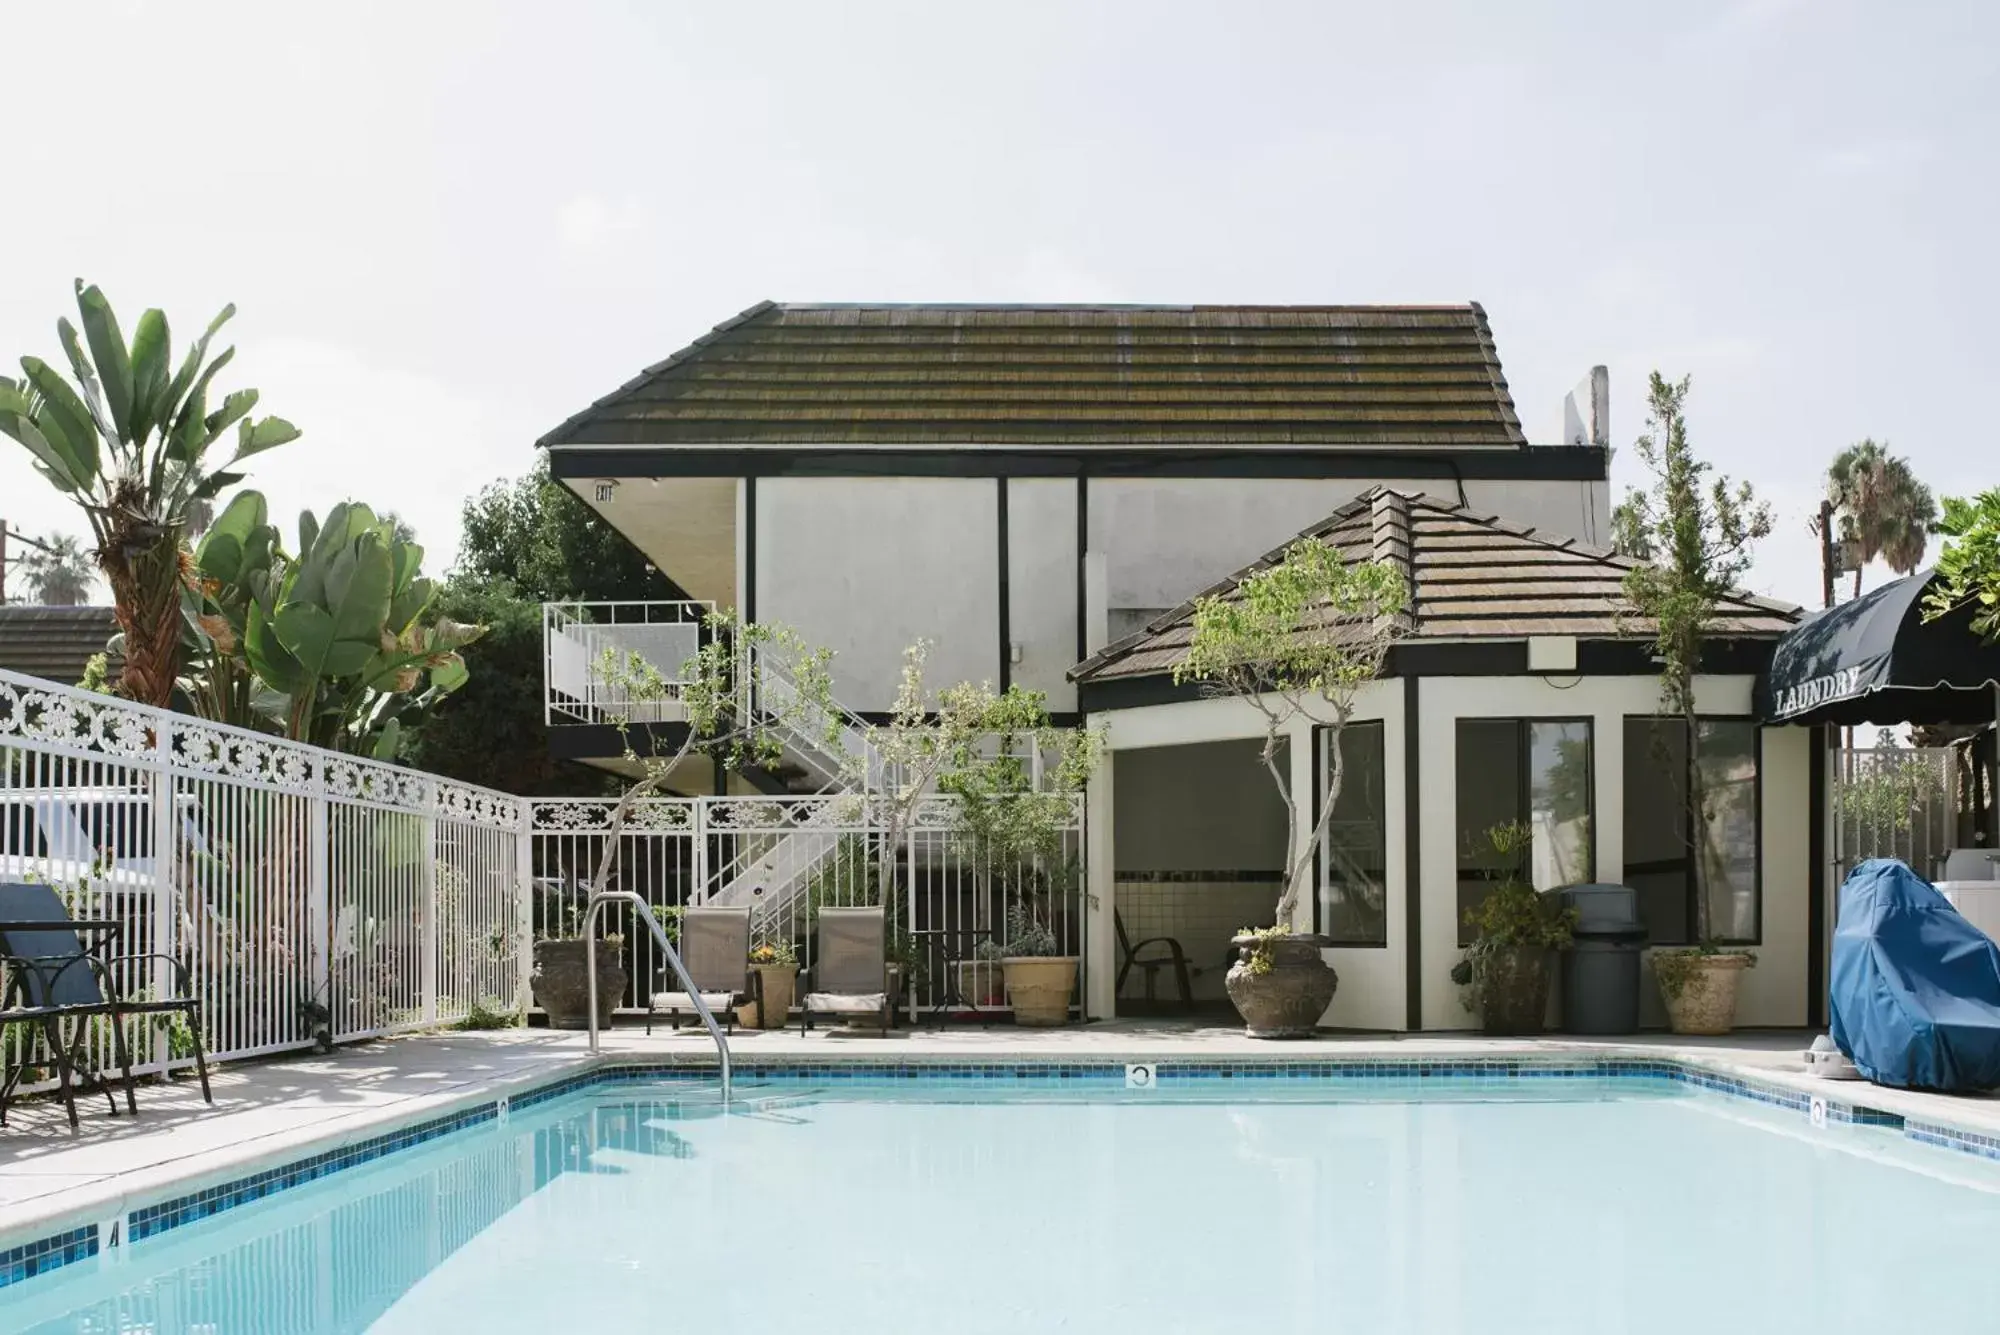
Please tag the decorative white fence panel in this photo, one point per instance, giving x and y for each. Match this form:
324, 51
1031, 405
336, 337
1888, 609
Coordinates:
786, 857
280, 874
1895, 802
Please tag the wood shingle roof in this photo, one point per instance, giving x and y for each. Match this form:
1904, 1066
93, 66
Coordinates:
54, 643
1364, 377
1471, 577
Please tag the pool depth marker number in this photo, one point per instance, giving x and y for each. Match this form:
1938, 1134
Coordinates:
1140, 1075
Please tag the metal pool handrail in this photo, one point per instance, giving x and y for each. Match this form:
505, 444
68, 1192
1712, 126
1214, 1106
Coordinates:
598, 900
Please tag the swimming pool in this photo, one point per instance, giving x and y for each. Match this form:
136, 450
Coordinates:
1628, 1204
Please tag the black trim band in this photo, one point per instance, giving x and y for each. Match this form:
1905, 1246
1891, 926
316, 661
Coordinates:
749, 549
1817, 743
1559, 463
1082, 550
1006, 594
1413, 860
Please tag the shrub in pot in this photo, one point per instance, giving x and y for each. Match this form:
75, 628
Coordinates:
1296, 638
1039, 978
561, 980
776, 967
1699, 986
1517, 931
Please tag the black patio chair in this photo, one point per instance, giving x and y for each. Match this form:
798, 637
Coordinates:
52, 978
1130, 958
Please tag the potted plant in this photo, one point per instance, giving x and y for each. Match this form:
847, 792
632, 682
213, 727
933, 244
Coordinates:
1517, 932
1038, 976
1694, 532
560, 980
776, 966
982, 980
1296, 639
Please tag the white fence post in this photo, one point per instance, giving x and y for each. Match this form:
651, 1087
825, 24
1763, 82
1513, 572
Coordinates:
524, 907
319, 903
165, 910
430, 935
698, 824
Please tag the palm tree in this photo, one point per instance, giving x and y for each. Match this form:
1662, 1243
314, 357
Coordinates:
1882, 506
58, 572
128, 441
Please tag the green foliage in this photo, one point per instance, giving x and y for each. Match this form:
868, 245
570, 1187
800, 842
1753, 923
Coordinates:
670, 916
1881, 505
549, 546
1512, 914
1261, 956
1297, 638
1889, 794
334, 645
1968, 569
489, 1013
1675, 968
129, 439
97, 675
774, 952
1028, 936
1700, 528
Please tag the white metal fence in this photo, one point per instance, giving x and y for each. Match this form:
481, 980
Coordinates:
280, 874
786, 857
575, 639
1895, 802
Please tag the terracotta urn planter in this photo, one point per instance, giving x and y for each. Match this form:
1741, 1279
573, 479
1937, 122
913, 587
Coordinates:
562, 987
1700, 990
1512, 984
982, 982
1286, 997
1038, 987
778, 984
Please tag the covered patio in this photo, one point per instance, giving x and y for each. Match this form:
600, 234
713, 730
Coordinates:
1520, 691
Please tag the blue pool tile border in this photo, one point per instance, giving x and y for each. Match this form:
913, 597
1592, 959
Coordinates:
77, 1244
45, 1254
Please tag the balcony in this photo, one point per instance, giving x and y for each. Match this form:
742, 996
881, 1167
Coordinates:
577, 636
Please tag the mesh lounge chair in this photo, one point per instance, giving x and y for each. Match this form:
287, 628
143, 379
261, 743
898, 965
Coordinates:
849, 974
715, 947
52, 978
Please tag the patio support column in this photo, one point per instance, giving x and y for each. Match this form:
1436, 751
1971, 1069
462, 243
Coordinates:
1100, 940
1299, 751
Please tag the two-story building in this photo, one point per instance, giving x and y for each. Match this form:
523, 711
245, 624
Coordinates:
1041, 489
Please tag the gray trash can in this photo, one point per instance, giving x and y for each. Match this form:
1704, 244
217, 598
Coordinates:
1600, 972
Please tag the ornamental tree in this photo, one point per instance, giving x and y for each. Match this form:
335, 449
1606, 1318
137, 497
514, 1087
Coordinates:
1297, 639
1699, 528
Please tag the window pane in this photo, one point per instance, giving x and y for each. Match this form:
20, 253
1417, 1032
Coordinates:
1656, 849
1489, 794
1357, 845
1726, 751
1559, 802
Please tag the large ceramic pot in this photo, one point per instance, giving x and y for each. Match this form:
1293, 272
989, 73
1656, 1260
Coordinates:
777, 985
562, 987
1038, 987
1704, 1002
1287, 999
1512, 983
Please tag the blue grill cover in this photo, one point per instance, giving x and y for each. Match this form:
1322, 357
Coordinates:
1916, 988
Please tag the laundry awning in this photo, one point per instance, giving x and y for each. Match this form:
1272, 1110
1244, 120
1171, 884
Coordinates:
1876, 660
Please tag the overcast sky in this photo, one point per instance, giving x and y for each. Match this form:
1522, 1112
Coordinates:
448, 226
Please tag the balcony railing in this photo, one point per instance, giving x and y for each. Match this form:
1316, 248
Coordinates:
575, 639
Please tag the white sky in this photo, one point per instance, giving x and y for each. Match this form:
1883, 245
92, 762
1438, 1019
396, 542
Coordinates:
448, 226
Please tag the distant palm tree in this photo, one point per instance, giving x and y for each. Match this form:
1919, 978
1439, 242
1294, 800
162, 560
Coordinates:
59, 572
1882, 506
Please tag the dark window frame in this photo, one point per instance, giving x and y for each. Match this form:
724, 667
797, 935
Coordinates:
1756, 939
1322, 906
1524, 786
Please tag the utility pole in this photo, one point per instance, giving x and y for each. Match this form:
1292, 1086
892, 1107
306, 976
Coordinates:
5, 534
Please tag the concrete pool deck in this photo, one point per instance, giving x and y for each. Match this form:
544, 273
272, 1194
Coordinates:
273, 1112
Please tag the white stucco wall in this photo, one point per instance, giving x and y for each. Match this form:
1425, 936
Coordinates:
865, 566
1168, 538
1041, 579
1373, 981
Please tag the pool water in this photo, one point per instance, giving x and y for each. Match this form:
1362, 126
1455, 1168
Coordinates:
1610, 1207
